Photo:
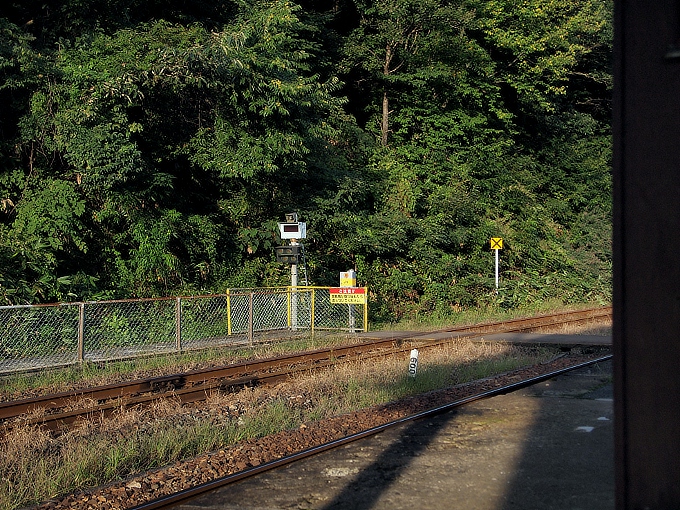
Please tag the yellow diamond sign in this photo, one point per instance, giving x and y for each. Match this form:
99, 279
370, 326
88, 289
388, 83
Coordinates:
496, 243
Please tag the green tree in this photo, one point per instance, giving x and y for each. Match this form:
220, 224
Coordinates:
503, 111
391, 35
149, 147
180, 144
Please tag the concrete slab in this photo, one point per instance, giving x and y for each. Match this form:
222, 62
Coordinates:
515, 338
547, 447
550, 339
382, 335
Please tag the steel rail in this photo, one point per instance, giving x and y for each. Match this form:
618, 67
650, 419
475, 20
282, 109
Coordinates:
178, 497
54, 422
177, 382
196, 385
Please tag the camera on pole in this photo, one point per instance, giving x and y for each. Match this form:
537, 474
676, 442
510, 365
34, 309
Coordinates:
294, 230
293, 254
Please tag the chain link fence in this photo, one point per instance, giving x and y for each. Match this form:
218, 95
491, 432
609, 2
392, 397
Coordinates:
39, 336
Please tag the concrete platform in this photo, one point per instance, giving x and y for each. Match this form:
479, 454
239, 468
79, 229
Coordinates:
547, 447
517, 338
551, 339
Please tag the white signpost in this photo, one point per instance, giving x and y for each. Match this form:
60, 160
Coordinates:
496, 245
348, 279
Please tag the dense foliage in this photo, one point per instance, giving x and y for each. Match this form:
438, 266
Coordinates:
149, 148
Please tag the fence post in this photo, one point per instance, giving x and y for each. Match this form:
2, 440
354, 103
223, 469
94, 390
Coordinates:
250, 318
366, 311
178, 324
289, 293
313, 309
351, 319
228, 311
81, 333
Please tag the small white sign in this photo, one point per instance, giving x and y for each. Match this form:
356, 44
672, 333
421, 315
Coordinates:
293, 230
413, 363
348, 278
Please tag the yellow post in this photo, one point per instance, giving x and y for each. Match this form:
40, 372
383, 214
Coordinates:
313, 303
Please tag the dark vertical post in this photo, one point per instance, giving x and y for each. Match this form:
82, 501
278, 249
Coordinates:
646, 266
81, 332
178, 324
250, 318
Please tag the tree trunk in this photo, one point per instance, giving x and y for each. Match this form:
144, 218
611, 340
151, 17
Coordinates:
385, 119
385, 125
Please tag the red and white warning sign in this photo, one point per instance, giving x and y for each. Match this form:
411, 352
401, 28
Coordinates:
348, 295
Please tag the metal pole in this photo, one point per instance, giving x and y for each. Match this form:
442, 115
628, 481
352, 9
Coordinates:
81, 333
496, 269
366, 310
293, 284
250, 319
313, 310
228, 311
178, 324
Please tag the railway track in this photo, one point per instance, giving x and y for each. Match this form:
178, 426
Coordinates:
199, 384
174, 499
184, 481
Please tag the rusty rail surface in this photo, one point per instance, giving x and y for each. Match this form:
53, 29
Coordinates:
199, 384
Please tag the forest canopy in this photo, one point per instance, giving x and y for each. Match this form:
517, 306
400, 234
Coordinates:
149, 149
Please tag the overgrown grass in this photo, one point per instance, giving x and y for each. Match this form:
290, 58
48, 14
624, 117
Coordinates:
418, 322
35, 467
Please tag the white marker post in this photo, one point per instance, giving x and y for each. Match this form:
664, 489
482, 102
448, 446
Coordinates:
413, 363
496, 268
496, 245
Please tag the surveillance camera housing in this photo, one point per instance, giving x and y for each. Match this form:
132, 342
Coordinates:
293, 230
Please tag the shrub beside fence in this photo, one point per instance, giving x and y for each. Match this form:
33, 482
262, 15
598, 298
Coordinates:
36, 336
